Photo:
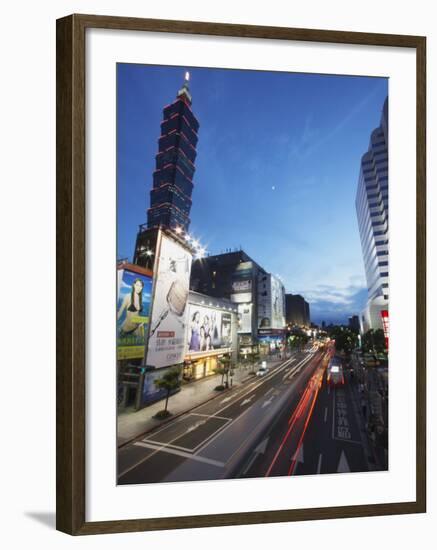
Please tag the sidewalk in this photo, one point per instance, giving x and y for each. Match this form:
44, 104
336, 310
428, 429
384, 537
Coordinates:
132, 424
375, 454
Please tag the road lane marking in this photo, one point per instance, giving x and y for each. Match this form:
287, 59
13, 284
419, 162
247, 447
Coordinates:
259, 450
319, 464
340, 411
292, 422
326, 414
246, 401
298, 455
317, 389
263, 381
191, 428
333, 413
343, 465
211, 439
268, 402
156, 448
181, 453
216, 434
225, 399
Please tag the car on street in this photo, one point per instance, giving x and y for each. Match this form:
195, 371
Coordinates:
262, 370
334, 374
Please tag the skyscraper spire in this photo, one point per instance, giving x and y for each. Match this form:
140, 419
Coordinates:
184, 92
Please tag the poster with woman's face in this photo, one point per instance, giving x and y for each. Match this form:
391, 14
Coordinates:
209, 329
133, 306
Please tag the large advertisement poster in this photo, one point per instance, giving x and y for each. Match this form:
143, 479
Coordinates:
271, 303
209, 329
133, 308
244, 317
242, 280
278, 303
166, 344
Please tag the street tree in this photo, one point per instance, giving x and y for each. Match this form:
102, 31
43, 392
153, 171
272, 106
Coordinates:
223, 368
374, 341
253, 359
169, 381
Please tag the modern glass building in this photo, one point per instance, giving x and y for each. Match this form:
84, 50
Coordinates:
372, 213
170, 197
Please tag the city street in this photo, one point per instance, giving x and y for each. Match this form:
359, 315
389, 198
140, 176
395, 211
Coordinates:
220, 438
323, 434
288, 422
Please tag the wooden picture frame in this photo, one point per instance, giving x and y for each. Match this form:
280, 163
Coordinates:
71, 254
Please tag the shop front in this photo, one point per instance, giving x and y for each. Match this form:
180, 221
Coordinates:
197, 366
247, 346
271, 341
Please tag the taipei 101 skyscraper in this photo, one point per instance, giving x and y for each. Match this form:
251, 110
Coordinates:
170, 197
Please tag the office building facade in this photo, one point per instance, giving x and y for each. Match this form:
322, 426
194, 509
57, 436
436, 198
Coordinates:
235, 276
297, 311
373, 223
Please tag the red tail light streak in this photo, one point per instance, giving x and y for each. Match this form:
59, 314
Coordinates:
299, 421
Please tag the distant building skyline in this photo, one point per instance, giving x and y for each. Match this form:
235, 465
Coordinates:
277, 181
297, 310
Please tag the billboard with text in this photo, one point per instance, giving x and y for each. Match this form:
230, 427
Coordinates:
166, 343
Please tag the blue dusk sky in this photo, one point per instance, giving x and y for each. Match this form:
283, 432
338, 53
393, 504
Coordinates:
277, 167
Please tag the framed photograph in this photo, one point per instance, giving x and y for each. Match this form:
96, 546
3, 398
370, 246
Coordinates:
240, 330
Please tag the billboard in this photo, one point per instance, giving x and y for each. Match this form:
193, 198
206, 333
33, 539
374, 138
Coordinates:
278, 303
209, 329
241, 297
244, 317
134, 290
242, 286
166, 344
271, 302
242, 282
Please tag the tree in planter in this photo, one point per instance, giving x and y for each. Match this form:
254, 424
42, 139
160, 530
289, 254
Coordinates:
253, 359
168, 382
223, 369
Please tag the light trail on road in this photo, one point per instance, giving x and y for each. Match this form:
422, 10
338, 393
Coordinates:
308, 399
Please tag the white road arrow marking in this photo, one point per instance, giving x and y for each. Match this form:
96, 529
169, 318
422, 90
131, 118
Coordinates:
248, 400
261, 448
343, 466
196, 425
319, 464
298, 455
267, 403
225, 400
